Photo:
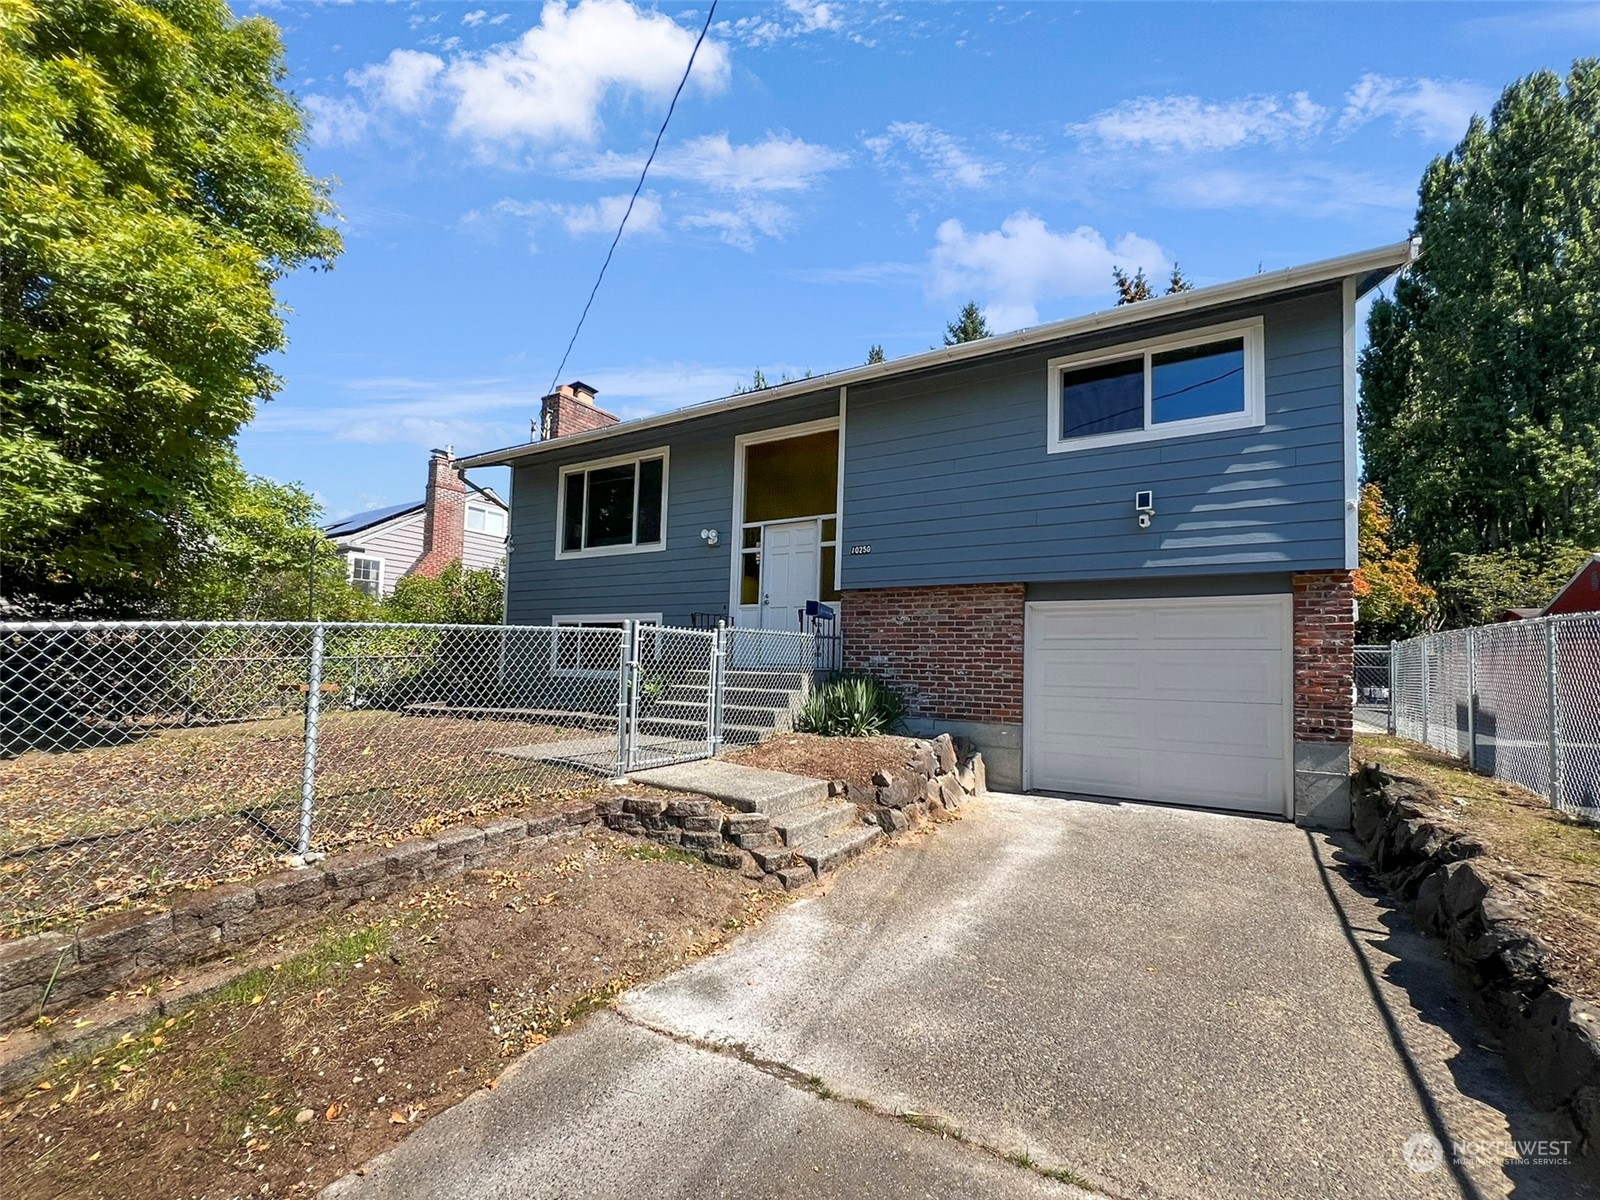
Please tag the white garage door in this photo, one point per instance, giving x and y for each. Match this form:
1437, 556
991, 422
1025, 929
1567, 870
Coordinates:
1184, 701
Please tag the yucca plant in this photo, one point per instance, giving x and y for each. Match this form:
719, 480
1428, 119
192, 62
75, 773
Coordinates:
853, 705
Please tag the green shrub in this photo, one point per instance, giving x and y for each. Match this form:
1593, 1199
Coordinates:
852, 706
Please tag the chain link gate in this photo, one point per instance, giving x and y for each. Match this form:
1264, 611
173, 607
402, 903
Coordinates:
136, 757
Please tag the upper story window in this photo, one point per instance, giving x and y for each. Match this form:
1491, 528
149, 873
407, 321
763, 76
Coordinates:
484, 518
614, 506
366, 573
1197, 382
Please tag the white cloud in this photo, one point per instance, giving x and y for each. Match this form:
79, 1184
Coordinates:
1012, 269
1313, 190
934, 150
739, 226
549, 84
335, 121
777, 163
404, 81
603, 215
1437, 109
1189, 123
795, 19
474, 18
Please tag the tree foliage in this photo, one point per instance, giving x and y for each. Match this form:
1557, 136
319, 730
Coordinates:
454, 597
875, 354
969, 326
1478, 588
1136, 287
1394, 602
1480, 386
151, 194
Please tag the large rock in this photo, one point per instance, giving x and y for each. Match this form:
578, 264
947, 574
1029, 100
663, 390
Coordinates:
899, 793
944, 753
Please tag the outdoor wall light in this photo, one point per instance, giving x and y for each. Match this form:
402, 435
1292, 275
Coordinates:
709, 537
1144, 508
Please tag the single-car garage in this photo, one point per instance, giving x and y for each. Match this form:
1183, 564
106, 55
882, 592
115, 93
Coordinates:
1186, 701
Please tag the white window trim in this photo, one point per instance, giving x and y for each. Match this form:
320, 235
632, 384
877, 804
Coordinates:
350, 568
777, 433
578, 620
1255, 390
661, 452
487, 510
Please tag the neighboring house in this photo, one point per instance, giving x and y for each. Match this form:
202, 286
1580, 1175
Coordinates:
1115, 552
1581, 593
456, 521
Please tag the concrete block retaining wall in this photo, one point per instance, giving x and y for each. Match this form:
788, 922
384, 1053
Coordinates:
1550, 1037
126, 948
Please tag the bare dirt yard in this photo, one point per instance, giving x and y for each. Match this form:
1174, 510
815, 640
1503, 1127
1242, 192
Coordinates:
1552, 859
91, 828
354, 1033
850, 759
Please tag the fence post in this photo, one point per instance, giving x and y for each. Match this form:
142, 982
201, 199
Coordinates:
625, 666
308, 765
1472, 699
1553, 690
1394, 688
714, 697
1427, 699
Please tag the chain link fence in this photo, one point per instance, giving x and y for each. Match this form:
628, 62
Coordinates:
1372, 689
1519, 700
140, 756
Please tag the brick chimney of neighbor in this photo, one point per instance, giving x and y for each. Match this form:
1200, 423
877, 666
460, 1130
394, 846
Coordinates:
568, 410
444, 522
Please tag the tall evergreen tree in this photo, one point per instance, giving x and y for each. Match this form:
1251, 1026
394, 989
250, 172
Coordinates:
1480, 386
968, 327
874, 354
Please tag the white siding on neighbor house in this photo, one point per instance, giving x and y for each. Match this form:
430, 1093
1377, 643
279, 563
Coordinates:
482, 550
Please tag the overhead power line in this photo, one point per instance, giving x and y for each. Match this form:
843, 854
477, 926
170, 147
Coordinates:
623, 224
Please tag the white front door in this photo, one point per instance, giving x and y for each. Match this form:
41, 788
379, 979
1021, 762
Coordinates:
790, 569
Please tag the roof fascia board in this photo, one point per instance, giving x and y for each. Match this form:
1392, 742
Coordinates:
1386, 258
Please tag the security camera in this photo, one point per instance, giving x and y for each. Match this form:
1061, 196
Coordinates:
1144, 520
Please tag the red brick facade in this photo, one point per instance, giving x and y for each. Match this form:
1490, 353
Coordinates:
568, 410
954, 651
1324, 655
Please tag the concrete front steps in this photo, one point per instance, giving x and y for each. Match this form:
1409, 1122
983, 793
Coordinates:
791, 825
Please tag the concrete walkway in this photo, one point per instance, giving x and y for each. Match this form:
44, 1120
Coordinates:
1165, 1003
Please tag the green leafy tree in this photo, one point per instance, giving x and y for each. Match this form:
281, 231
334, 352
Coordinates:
875, 354
1480, 385
1393, 602
453, 597
1478, 588
151, 195
968, 327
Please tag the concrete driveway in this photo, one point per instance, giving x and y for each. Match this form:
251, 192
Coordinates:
1156, 1002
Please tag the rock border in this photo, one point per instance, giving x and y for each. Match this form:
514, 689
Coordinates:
930, 782
1550, 1037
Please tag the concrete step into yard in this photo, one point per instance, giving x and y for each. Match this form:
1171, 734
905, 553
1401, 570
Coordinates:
825, 854
814, 821
748, 789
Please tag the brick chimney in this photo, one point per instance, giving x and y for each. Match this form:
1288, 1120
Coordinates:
444, 522
568, 410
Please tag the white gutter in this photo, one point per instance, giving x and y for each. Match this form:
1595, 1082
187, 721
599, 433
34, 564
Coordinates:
1384, 258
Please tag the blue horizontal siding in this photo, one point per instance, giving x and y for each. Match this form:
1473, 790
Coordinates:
948, 479
686, 577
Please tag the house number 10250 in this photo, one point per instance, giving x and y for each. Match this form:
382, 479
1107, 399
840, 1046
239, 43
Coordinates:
860, 549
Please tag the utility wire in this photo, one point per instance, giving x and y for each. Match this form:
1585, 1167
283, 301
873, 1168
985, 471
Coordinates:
623, 224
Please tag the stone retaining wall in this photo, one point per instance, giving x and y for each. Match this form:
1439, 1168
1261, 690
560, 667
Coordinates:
1550, 1036
930, 782
112, 952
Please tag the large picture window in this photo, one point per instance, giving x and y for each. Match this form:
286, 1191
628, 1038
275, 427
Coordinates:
1210, 379
616, 506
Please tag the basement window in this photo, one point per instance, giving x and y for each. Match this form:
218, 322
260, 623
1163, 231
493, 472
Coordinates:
613, 506
1198, 382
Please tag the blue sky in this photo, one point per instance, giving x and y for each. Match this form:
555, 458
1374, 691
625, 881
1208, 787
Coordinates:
835, 175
